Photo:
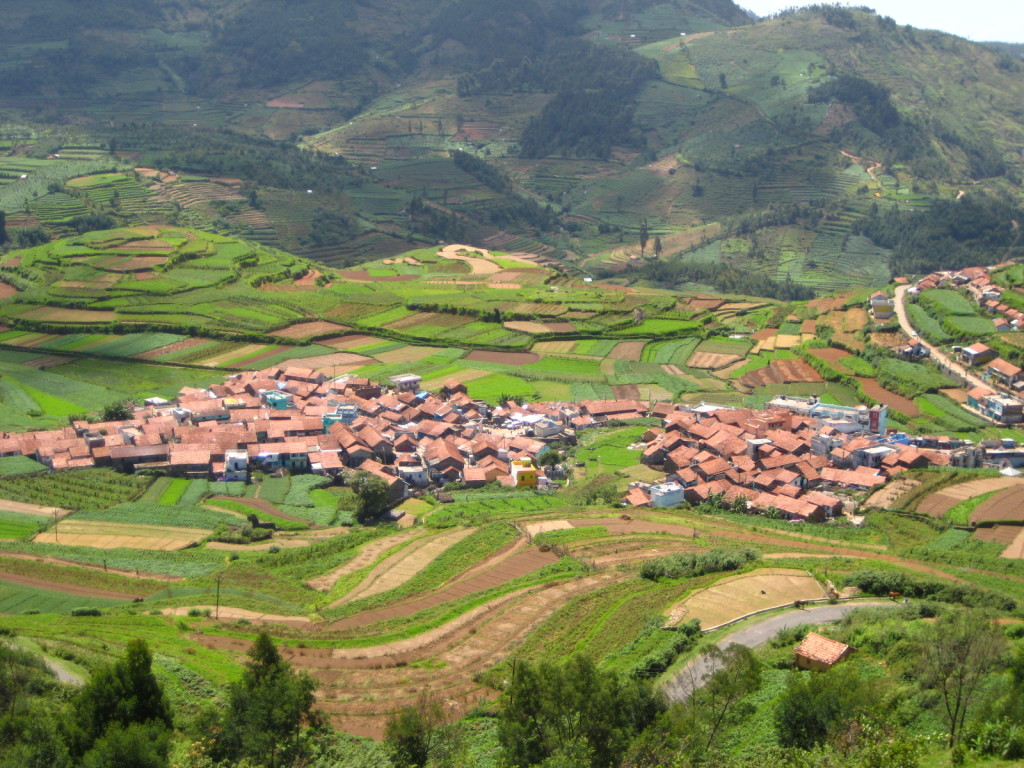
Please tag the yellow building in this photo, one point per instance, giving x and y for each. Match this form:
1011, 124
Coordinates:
524, 473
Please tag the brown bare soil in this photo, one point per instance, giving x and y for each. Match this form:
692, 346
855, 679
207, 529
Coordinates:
1015, 549
503, 570
231, 354
619, 527
306, 330
25, 508
261, 504
736, 596
955, 394
554, 347
60, 586
367, 554
997, 534
7, 290
781, 372
71, 315
229, 613
327, 363
263, 546
833, 356
765, 333
397, 569
1005, 506
505, 358
100, 535
628, 350
347, 342
626, 391
361, 687
940, 502
526, 326
898, 402
712, 360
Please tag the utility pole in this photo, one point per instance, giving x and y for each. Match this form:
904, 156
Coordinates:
216, 614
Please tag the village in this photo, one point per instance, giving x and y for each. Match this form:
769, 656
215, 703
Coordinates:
797, 458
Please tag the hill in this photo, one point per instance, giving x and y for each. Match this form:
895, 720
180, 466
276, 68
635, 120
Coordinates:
560, 128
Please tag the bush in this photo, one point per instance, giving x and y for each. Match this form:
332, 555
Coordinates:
875, 582
86, 612
690, 564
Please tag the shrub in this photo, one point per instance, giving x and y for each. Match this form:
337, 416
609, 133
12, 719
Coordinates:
86, 612
690, 564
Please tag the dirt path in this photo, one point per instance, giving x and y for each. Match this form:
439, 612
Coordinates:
397, 569
368, 553
228, 613
24, 508
499, 571
60, 586
258, 504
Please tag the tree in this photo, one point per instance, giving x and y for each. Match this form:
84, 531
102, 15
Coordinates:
372, 496
573, 713
266, 711
731, 674
658, 247
644, 234
814, 706
119, 411
3, 227
415, 732
122, 694
957, 653
134, 746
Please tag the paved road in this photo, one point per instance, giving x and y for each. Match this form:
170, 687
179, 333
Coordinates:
692, 676
937, 354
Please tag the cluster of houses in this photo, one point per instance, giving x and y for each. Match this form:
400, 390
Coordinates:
297, 420
788, 458
977, 281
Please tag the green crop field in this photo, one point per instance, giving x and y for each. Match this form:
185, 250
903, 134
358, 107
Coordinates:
15, 598
946, 302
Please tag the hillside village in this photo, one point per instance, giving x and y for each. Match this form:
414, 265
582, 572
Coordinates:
997, 398
789, 458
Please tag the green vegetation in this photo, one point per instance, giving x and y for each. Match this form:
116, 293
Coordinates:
74, 489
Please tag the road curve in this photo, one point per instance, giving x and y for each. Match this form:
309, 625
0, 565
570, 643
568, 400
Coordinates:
937, 354
692, 676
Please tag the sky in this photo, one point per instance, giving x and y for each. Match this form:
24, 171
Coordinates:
978, 20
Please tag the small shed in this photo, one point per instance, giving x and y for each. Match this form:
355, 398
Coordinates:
819, 653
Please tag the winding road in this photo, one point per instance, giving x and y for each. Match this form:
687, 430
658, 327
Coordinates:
937, 354
694, 674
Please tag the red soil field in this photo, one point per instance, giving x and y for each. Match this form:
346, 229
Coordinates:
305, 330
1006, 506
781, 372
898, 402
506, 569
626, 350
